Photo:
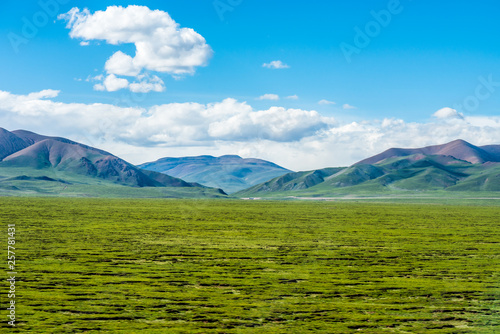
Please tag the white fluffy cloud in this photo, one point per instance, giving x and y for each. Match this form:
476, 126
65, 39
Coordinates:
295, 138
161, 45
78, 121
112, 84
444, 113
122, 64
147, 84
275, 65
163, 125
272, 97
44, 94
277, 124
229, 120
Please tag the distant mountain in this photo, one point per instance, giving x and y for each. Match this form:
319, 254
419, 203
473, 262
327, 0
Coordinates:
459, 149
229, 172
293, 181
30, 155
456, 166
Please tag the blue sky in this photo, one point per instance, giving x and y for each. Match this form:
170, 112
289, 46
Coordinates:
423, 57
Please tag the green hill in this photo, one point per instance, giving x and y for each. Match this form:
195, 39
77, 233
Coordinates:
396, 171
40, 165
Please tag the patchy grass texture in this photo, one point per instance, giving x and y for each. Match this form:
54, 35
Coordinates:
224, 266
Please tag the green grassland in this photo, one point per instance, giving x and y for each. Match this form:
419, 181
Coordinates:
230, 266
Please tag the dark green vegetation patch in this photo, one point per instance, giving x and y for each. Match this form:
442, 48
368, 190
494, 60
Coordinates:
208, 266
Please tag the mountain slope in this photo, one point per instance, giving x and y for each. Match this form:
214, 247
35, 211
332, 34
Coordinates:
40, 158
291, 182
459, 149
230, 172
492, 150
398, 170
10, 143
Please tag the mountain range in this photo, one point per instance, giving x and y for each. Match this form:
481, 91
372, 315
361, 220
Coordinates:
33, 163
229, 172
455, 166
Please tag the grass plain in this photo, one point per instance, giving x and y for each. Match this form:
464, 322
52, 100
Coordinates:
231, 266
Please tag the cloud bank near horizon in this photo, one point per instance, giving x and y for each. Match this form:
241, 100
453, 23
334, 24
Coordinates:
294, 138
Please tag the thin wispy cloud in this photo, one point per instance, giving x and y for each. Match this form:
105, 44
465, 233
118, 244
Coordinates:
275, 65
292, 97
325, 102
272, 97
348, 107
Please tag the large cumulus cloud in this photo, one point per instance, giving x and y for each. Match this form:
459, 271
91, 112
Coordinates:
161, 44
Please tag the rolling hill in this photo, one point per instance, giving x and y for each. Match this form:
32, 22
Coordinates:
457, 166
229, 172
33, 163
459, 149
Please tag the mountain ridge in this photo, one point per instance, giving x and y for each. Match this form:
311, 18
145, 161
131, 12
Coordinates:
459, 149
23, 150
229, 172
455, 166
28, 159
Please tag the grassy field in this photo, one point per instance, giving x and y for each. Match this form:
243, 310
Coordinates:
228, 266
